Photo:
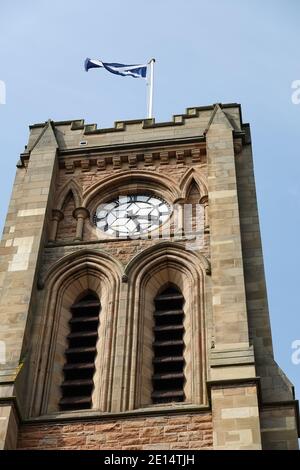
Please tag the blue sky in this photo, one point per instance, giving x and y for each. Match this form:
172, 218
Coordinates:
206, 52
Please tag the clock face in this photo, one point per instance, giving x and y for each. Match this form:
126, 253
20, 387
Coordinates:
131, 216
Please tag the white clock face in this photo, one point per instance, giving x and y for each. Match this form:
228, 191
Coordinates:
131, 216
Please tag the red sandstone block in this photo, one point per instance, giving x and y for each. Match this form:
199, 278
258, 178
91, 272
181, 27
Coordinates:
89, 447
119, 436
200, 444
171, 429
130, 442
71, 427
52, 429
153, 431
81, 433
136, 447
133, 425
89, 427
168, 438
129, 435
96, 439
108, 447
202, 418
199, 426
159, 421
27, 444
108, 427
71, 441
183, 437
179, 446
163, 446
180, 420
195, 435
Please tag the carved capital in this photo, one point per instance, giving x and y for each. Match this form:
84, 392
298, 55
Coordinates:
57, 215
81, 213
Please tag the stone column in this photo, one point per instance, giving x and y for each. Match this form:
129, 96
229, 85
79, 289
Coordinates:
57, 216
80, 214
23, 239
179, 218
228, 286
121, 400
234, 403
204, 203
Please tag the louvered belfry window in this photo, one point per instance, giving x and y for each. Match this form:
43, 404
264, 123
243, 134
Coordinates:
79, 367
168, 346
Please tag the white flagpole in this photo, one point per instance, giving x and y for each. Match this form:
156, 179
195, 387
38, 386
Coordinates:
150, 85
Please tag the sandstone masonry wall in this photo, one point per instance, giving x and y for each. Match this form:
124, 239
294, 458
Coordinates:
191, 431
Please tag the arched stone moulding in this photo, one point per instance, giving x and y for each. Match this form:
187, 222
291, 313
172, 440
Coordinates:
84, 270
162, 264
190, 175
70, 189
129, 180
73, 187
193, 175
125, 183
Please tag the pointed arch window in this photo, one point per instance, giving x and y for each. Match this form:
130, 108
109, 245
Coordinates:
168, 347
193, 199
67, 227
79, 367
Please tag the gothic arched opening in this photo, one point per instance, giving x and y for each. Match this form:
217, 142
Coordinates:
67, 226
168, 346
80, 354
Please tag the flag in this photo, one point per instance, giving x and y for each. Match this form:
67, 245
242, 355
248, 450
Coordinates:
136, 71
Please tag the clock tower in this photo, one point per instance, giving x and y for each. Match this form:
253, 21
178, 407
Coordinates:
133, 301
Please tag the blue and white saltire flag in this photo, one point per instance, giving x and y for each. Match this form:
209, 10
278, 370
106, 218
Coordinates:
136, 71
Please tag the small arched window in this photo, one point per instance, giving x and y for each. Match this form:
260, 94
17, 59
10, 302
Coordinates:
168, 360
67, 226
80, 355
192, 202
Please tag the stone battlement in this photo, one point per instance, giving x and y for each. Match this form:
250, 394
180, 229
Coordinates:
192, 124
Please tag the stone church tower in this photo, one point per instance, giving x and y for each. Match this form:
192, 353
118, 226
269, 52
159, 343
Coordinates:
123, 327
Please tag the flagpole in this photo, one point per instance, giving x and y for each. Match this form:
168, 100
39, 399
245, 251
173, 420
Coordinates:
150, 84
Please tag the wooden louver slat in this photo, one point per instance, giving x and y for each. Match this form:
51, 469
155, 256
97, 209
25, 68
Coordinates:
168, 362
80, 355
